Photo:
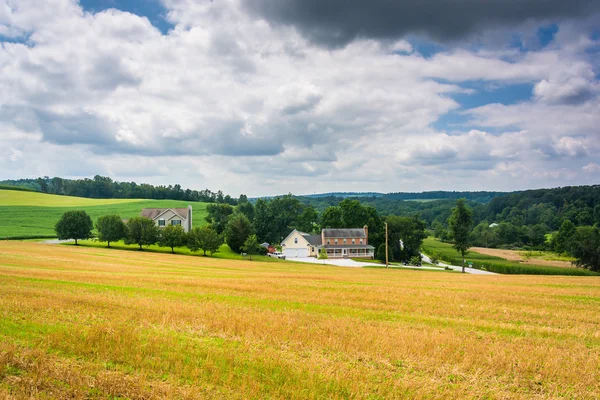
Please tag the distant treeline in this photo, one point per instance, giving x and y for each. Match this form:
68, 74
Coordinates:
105, 188
479, 197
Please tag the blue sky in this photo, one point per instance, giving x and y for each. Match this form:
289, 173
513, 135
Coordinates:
265, 97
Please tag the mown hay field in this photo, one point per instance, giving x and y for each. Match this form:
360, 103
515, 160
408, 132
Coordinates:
81, 322
32, 214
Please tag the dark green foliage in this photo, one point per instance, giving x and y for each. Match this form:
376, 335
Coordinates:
308, 221
251, 246
284, 212
332, 218
460, 223
18, 188
172, 236
262, 221
101, 187
562, 242
111, 228
415, 260
586, 247
218, 215
141, 231
237, 231
246, 208
409, 230
381, 253
74, 225
205, 239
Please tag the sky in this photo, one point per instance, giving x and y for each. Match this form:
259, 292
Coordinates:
266, 97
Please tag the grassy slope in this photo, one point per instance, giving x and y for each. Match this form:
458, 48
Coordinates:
81, 322
34, 214
445, 252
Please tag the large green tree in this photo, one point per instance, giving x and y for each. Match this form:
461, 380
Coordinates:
141, 231
205, 239
308, 221
74, 225
405, 237
332, 218
586, 247
237, 231
563, 241
262, 221
218, 215
111, 228
172, 236
460, 224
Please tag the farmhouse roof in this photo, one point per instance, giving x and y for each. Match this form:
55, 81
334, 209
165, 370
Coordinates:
344, 233
154, 213
314, 240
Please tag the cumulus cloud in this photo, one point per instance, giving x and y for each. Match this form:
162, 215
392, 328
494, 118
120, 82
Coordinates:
338, 22
231, 101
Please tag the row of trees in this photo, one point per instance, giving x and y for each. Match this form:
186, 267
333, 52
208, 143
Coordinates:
143, 231
102, 187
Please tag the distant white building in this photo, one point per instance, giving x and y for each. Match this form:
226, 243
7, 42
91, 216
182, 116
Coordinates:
493, 225
163, 217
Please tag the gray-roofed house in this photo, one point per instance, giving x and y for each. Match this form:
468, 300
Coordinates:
170, 216
339, 243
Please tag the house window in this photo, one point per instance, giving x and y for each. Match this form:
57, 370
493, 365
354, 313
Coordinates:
161, 222
353, 241
344, 241
335, 241
361, 241
296, 240
312, 249
328, 241
175, 222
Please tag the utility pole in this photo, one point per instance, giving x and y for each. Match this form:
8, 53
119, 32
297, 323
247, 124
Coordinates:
386, 246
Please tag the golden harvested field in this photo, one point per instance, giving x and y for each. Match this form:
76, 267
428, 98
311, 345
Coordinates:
100, 323
521, 256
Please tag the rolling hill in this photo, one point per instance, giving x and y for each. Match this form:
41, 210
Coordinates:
32, 214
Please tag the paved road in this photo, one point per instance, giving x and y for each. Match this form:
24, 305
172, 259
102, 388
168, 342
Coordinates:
57, 241
473, 271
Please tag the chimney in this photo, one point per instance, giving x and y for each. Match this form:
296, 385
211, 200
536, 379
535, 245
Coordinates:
366, 228
189, 217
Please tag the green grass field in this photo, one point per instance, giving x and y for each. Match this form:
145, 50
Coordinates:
93, 323
444, 252
224, 252
32, 214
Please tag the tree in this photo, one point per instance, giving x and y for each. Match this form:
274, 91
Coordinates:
110, 228
251, 246
308, 220
563, 241
141, 231
323, 254
74, 225
460, 223
218, 215
332, 218
247, 209
405, 237
237, 231
172, 236
262, 221
586, 247
205, 239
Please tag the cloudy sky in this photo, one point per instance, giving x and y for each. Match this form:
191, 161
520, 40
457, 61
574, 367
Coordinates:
273, 96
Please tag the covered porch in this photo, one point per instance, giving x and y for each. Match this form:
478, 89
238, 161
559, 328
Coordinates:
358, 251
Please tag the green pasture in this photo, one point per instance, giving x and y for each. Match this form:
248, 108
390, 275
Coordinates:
31, 214
444, 252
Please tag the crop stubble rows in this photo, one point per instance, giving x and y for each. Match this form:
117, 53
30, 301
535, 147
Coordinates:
90, 322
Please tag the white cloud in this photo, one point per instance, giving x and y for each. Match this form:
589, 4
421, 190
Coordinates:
226, 101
